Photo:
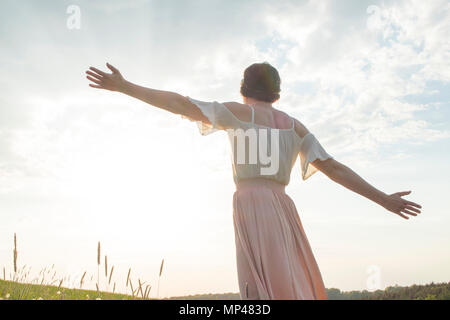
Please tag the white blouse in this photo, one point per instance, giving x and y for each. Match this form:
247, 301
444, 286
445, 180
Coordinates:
259, 151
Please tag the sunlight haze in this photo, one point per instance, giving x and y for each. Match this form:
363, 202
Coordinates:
79, 165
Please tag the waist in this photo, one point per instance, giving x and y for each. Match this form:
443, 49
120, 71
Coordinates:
252, 183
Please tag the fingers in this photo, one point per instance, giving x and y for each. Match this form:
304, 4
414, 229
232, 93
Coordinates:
95, 75
95, 86
94, 80
411, 208
405, 208
402, 215
413, 204
112, 68
98, 71
409, 212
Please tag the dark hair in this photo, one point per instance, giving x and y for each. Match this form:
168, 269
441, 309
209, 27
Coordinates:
262, 82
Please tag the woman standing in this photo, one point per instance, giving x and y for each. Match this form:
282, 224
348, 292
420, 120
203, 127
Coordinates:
274, 258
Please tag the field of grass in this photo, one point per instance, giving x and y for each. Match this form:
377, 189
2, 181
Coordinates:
20, 286
10, 290
19, 291
431, 291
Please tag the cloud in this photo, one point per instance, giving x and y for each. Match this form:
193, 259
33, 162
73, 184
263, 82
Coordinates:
358, 74
369, 78
361, 67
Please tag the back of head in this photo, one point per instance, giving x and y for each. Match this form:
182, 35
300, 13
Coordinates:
262, 82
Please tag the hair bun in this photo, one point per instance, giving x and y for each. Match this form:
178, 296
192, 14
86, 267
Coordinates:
262, 82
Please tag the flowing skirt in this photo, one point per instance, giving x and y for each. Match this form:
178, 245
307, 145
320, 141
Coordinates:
274, 258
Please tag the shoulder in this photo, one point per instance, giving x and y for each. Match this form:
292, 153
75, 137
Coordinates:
239, 110
300, 128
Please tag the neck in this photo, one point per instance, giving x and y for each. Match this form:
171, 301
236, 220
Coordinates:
257, 103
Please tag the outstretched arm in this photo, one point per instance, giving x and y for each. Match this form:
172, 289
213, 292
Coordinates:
167, 100
346, 177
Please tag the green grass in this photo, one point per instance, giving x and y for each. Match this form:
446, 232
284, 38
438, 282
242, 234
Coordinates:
22, 291
431, 291
10, 290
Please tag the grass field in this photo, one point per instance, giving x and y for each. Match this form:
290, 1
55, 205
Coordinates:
19, 285
21, 291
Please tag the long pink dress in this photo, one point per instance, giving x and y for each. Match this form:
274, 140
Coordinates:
273, 255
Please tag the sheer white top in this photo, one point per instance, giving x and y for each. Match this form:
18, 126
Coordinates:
288, 143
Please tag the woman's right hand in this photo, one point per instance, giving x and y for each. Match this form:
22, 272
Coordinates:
110, 81
396, 204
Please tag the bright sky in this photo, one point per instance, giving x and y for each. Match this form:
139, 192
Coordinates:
370, 79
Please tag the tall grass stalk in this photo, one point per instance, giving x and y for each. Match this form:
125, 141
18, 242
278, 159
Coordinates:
98, 262
131, 286
140, 289
106, 266
147, 291
160, 273
128, 277
110, 274
15, 255
106, 272
82, 279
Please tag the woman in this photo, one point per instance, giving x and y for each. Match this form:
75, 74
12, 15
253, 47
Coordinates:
274, 258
